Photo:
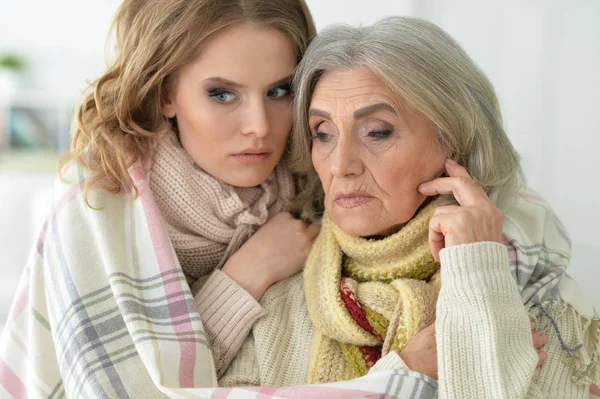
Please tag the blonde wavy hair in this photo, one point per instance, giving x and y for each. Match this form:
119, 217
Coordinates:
120, 117
423, 65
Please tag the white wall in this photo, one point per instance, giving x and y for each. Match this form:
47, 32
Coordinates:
543, 57
63, 39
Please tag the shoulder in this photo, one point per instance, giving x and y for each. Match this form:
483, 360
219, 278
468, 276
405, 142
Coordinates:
533, 233
539, 250
531, 221
538, 245
70, 187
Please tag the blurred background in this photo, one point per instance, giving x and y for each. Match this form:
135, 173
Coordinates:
543, 56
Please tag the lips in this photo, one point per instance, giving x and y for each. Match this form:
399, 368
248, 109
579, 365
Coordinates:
352, 199
253, 155
254, 151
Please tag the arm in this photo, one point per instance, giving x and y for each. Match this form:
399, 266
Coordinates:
484, 341
228, 301
496, 358
480, 318
228, 313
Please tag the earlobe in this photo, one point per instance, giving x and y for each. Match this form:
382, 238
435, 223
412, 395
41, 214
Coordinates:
168, 109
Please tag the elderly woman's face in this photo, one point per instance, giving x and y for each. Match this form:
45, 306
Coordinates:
371, 151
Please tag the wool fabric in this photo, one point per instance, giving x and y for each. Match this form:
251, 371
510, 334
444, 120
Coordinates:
208, 220
367, 297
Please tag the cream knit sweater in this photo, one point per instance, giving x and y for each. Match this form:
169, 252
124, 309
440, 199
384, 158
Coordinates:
483, 335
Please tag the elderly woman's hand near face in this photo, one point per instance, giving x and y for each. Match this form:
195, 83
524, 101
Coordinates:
475, 220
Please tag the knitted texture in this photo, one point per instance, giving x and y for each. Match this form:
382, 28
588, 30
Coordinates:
482, 331
208, 220
228, 313
367, 297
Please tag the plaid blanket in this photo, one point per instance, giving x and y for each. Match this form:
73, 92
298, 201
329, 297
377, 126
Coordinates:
103, 309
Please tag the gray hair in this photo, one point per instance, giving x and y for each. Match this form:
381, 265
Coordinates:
424, 66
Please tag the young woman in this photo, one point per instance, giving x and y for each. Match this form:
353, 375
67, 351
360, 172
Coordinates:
175, 175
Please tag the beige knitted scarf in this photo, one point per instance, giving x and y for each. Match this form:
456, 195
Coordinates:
367, 297
208, 220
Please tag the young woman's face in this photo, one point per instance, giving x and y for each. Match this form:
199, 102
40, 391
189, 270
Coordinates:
233, 103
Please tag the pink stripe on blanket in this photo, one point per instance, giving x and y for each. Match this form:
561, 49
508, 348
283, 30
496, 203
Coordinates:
512, 251
166, 261
300, 392
9, 381
21, 302
56, 210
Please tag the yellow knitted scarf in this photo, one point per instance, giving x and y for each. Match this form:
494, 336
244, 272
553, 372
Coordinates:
367, 297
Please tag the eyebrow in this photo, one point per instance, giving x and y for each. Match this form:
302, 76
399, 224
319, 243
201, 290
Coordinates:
359, 113
230, 83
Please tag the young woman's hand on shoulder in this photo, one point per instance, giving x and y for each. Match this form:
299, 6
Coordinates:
276, 251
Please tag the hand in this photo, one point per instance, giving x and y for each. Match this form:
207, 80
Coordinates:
420, 354
539, 340
475, 220
276, 251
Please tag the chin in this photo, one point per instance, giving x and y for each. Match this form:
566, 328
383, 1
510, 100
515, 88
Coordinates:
357, 225
248, 179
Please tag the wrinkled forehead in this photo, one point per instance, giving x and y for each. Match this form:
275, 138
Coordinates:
343, 93
347, 93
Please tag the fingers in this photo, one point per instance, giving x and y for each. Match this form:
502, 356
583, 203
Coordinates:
539, 339
542, 356
436, 238
444, 210
455, 170
459, 183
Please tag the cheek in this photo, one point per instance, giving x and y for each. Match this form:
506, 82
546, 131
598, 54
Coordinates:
433, 163
281, 117
207, 128
399, 175
320, 165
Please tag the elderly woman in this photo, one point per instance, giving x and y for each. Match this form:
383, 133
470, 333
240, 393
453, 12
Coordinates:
418, 187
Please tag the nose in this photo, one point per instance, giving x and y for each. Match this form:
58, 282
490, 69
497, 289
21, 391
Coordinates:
256, 119
346, 160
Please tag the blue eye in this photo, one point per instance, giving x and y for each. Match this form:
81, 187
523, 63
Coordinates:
279, 91
380, 134
222, 96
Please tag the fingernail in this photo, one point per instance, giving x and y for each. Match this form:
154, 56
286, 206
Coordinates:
451, 161
542, 355
543, 338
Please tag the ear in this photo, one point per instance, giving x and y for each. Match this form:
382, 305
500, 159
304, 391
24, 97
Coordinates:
168, 107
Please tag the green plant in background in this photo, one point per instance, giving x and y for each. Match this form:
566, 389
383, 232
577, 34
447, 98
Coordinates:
11, 61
